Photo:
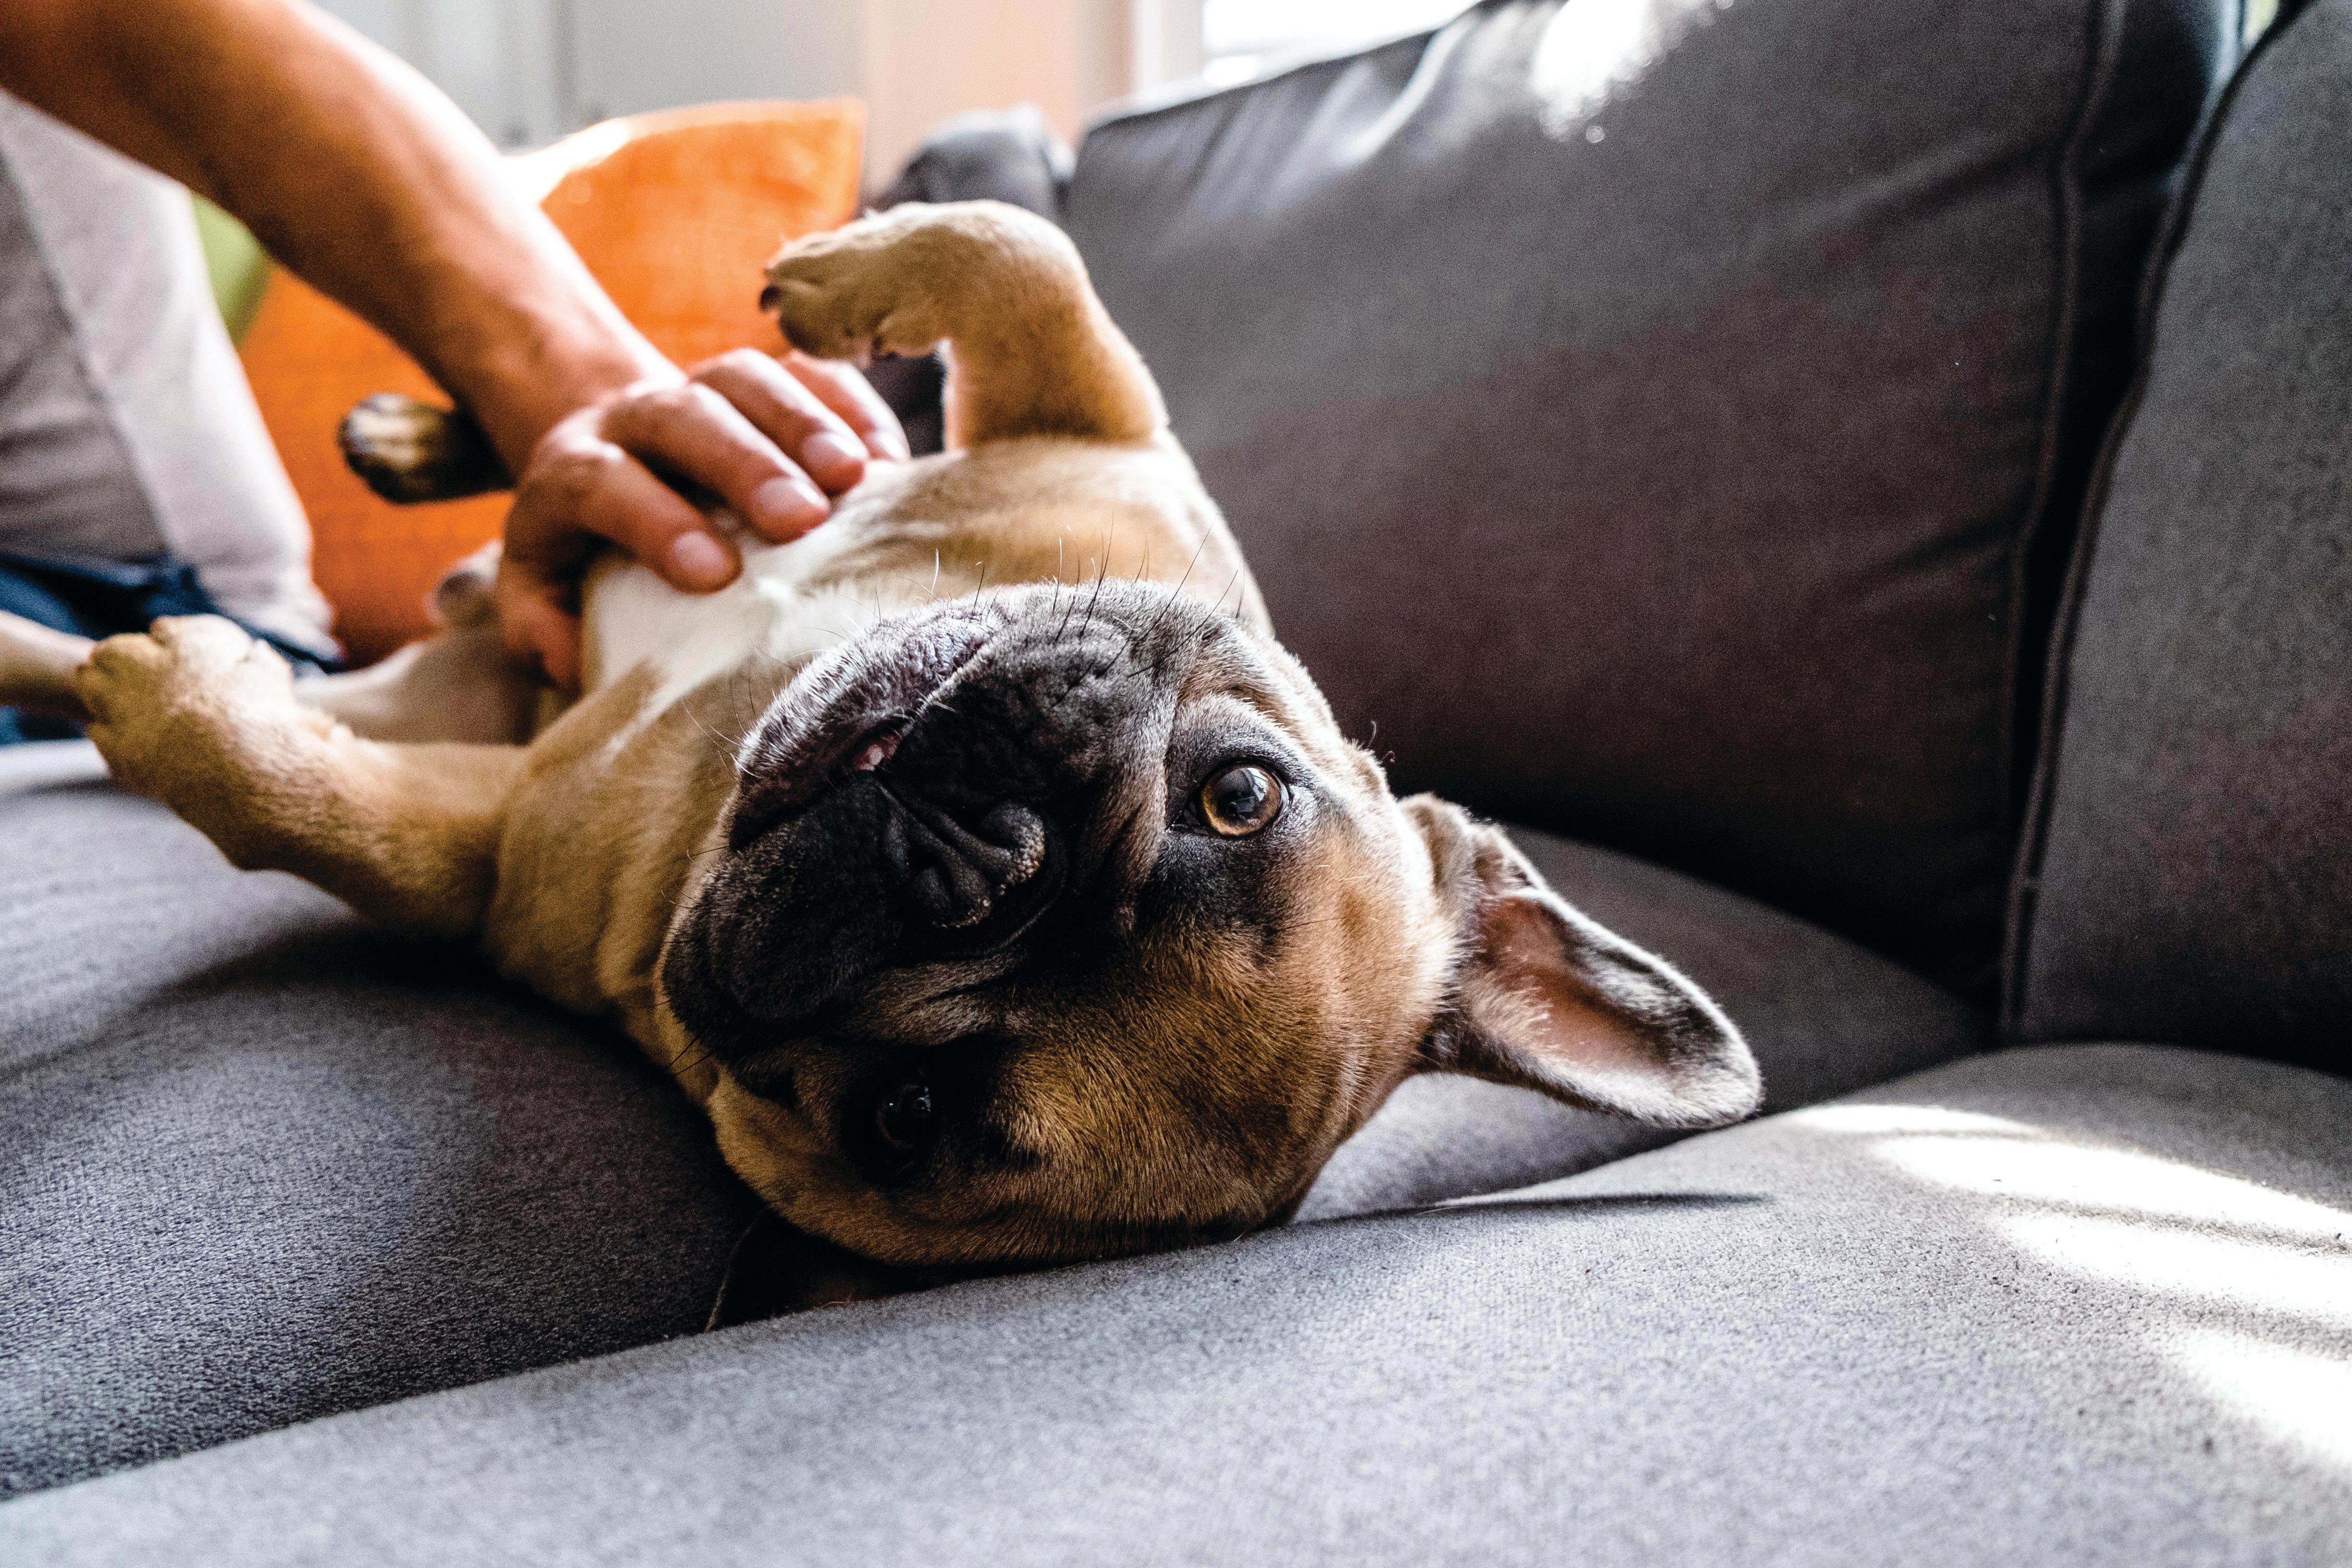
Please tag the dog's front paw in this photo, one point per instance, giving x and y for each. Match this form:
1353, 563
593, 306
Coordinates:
865, 288
200, 716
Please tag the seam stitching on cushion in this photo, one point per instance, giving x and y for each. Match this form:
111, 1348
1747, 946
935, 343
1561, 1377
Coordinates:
2103, 52
2025, 881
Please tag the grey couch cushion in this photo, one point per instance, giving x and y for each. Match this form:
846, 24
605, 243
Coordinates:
2192, 877
1824, 1016
2072, 1305
1644, 413
258, 1163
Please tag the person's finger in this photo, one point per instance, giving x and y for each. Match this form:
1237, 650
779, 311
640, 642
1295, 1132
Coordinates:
536, 618
790, 415
694, 434
850, 396
598, 489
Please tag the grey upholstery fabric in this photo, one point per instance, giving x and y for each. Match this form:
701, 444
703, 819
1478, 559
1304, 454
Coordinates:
1005, 156
126, 426
1642, 412
258, 1163
2192, 878
2080, 1306
1824, 1016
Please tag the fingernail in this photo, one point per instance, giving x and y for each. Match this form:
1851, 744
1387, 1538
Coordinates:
827, 450
699, 561
891, 444
786, 506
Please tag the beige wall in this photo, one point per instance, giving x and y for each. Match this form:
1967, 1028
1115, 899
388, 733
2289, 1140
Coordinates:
529, 70
926, 60
914, 62
635, 55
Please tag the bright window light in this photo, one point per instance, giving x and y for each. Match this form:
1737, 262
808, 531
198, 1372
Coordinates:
2246, 1289
1240, 37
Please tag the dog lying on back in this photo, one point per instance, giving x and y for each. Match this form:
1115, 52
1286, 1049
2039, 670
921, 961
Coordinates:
979, 863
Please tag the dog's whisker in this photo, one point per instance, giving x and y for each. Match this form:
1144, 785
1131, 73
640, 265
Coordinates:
1100, 571
1174, 592
1063, 630
726, 748
1228, 588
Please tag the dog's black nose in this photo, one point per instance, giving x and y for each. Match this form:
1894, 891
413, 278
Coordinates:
956, 876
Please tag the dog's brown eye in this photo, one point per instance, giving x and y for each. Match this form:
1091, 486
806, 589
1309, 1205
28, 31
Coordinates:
904, 1117
1241, 800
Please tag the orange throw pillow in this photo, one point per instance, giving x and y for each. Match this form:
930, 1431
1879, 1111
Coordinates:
673, 211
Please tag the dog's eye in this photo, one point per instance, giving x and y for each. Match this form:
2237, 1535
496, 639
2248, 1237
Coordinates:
905, 1119
1241, 800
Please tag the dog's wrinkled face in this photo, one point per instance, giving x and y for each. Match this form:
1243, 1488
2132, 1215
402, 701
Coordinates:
1065, 923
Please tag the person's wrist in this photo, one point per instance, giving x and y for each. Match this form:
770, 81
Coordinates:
530, 384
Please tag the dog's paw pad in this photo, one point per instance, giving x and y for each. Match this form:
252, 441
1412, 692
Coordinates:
187, 703
855, 292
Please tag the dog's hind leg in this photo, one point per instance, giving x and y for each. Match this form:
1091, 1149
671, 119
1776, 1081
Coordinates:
459, 684
200, 716
1031, 351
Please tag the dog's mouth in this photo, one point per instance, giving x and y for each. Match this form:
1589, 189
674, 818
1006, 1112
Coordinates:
801, 758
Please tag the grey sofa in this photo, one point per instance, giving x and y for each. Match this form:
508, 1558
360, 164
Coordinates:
1864, 486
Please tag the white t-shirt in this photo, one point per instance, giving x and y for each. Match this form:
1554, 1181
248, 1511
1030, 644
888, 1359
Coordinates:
127, 429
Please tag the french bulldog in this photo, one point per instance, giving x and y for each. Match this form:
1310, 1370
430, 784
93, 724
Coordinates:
978, 862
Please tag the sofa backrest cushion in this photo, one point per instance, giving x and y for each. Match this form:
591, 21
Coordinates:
2189, 876
1641, 410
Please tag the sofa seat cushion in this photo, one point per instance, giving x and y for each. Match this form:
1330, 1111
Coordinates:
276, 1165
2190, 875
261, 1163
1824, 1016
1647, 412
2080, 1306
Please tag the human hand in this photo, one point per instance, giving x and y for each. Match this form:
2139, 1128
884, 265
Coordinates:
770, 439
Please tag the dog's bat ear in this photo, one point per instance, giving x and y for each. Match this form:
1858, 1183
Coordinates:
409, 451
1548, 999
777, 1269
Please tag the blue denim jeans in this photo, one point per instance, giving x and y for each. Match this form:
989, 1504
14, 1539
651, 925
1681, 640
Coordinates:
98, 599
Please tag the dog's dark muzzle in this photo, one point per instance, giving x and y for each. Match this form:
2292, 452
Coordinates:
793, 763
937, 803
876, 874
963, 881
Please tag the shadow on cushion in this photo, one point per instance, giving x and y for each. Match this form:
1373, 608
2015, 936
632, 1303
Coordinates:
1824, 1016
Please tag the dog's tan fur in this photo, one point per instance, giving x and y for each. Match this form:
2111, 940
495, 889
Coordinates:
569, 851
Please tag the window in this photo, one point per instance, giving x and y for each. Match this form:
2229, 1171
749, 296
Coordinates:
1240, 37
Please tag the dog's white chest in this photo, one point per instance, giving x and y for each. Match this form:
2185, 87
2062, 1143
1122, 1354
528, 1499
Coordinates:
789, 605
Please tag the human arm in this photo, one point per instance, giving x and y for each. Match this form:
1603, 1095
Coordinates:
362, 178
